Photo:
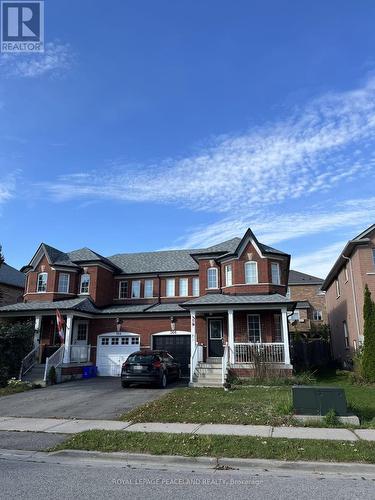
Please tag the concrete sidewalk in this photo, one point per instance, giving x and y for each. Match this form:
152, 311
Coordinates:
69, 426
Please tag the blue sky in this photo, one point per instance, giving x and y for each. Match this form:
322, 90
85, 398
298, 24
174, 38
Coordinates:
161, 124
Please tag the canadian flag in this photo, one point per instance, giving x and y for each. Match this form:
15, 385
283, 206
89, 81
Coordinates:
60, 325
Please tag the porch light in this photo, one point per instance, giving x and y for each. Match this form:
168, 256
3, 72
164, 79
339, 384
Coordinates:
173, 324
119, 322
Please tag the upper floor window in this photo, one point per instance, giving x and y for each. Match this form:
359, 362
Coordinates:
212, 277
136, 289
170, 287
149, 288
123, 290
275, 273
317, 315
42, 282
184, 287
253, 325
196, 287
63, 283
337, 288
228, 275
251, 272
85, 283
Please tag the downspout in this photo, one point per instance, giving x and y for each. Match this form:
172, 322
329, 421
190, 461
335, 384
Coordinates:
354, 295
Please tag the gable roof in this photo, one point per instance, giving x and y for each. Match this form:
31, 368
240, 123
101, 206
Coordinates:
298, 278
360, 239
11, 276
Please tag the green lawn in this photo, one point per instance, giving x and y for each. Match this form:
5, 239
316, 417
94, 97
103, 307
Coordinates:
221, 446
6, 391
247, 404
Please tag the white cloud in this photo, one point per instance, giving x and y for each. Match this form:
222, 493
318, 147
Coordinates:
7, 187
54, 61
318, 263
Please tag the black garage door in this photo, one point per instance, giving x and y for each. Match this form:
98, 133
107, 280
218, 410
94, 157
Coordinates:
178, 346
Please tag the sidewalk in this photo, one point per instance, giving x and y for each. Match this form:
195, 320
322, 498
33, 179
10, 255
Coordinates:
67, 426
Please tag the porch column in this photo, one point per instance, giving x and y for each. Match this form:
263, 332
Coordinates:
231, 336
68, 337
193, 341
284, 321
37, 328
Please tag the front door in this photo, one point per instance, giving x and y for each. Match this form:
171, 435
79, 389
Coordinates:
215, 338
78, 352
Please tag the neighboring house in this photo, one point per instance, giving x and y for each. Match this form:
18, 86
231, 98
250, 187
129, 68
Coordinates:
310, 309
344, 287
188, 302
12, 284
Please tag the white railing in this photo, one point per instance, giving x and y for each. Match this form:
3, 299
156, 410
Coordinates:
263, 352
194, 358
224, 364
29, 361
55, 360
79, 353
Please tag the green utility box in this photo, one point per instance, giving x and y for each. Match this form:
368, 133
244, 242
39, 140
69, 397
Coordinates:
310, 400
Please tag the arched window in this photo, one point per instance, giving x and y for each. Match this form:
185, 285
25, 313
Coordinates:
212, 281
251, 272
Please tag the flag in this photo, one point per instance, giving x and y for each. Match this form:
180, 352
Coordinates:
60, 325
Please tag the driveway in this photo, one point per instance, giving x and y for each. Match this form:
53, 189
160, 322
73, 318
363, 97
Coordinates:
96, 398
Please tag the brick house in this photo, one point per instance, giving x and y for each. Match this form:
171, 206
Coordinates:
12, 284
344, 287
222, 304
306, 291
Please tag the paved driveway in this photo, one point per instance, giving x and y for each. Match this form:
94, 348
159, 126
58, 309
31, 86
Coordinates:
97, 398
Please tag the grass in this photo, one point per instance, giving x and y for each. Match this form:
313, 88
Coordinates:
249, 404
220, 446
8, 390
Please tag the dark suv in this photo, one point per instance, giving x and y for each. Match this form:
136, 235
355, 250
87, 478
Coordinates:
153, 367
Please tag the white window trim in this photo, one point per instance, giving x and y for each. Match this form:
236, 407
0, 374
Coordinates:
152, 289
278, 273
185, 280
227, 268
216, 280
37, 283
170, 280
195, 280
139, 289
80, 284
256, 272
260, 329
119, 289
318, 311
68, 285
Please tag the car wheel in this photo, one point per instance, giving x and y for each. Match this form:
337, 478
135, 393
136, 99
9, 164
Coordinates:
125, 384
163, 381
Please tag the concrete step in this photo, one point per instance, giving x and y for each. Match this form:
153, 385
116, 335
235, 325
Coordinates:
212, 366
205, 384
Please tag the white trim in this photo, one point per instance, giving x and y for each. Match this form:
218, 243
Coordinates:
278, 273
226, 268
256, 272
80, 284
168, 332
118, 334
150, 280
260, 328
192, 286
217, 278
213, 318
138, 296
58, 282
119, 289
252, 284
170, 280
37, 282
186, 280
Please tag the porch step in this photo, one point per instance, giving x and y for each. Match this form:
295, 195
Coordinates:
206, 384
35, 375
208, 374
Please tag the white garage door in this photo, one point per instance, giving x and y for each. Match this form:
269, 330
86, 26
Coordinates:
112, 351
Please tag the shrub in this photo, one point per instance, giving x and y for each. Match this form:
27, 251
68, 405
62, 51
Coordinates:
331, 418
52, 378
16, 340
368, 357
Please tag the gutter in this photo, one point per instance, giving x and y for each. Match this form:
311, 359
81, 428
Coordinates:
354, 295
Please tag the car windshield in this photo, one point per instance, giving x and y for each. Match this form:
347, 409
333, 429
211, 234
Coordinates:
143, 359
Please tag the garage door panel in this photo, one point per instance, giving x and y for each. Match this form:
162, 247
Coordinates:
178, 346
113, 351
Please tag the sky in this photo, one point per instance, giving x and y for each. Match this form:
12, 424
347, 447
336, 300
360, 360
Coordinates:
148, 125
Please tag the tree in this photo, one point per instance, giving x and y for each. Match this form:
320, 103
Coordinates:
368, 359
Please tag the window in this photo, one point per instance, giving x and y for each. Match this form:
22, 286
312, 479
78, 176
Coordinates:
85, 283
149, 288
82, 331
253, 325
277, 322
251, 272
346, 274
196, 287
115, 341
184, 287
63, 283
212, 281
135, 340
42, 282
105, 341
228, 275
170, 287
124, 340
317, 315
288, 293
275, 273
136, 289
346, 335
294, 317
123, 290
337, 289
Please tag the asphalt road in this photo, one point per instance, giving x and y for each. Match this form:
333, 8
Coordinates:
97, 398
21, 479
